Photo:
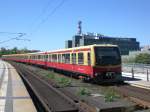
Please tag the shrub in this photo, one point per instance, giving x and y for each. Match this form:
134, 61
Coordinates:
111, 95
51, 76
64, 81
143, 58
84, 92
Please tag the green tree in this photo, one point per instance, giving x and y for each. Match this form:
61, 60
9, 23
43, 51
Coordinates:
143, 58
3, 51
24, 50
15, 50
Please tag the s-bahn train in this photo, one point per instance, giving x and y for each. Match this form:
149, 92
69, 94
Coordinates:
93, 62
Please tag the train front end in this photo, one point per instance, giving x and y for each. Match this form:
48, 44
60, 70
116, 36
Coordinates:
107, 63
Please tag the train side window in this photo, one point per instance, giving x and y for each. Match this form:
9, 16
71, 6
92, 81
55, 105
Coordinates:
33, 57
67, 58
39, 57
50, 58
80, 58
43, 57
63, 58
54, 57
73, 58
89, 58
59, 58
46, 57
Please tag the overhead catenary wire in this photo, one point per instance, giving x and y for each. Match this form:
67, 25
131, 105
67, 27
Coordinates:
48, 16
10, 33
16, 38
53, 11
38, 26
44, 10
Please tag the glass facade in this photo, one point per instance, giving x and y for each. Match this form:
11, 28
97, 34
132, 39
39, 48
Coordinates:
125, 44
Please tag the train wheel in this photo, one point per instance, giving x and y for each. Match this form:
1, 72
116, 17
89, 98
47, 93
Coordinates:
86, 79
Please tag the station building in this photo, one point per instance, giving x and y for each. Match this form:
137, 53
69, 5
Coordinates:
125, 44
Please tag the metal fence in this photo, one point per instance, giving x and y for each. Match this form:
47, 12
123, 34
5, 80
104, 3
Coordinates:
137, 70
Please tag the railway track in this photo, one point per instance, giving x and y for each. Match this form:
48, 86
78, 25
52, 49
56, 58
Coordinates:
138, 95
51, 99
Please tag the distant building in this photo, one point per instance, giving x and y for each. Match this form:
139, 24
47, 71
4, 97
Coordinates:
145, 48
125, 44
68, 44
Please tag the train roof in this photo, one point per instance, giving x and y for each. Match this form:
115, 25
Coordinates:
81, 47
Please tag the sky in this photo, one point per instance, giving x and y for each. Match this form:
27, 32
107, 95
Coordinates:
48, 23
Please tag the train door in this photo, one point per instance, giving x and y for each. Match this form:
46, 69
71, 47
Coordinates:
89, 59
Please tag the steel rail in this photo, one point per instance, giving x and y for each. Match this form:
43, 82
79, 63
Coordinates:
138, 95
59, 94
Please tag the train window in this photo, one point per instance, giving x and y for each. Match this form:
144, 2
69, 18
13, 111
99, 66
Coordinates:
73, 58
50, 58
89, 58
67, 58
59, 58
34, 57
54, 57
80, 58
45, 57
63, 58
39, 57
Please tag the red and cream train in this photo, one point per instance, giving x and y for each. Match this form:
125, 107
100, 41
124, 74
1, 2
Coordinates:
100, 62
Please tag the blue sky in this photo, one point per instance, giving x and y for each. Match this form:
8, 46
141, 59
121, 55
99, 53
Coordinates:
125, 18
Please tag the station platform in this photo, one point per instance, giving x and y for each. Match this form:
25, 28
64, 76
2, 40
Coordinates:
138, 81
14, 96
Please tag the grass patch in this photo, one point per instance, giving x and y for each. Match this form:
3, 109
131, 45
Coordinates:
84, 92
51, 76
63, 82
110, 95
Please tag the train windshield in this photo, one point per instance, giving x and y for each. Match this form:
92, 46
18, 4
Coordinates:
107, 56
